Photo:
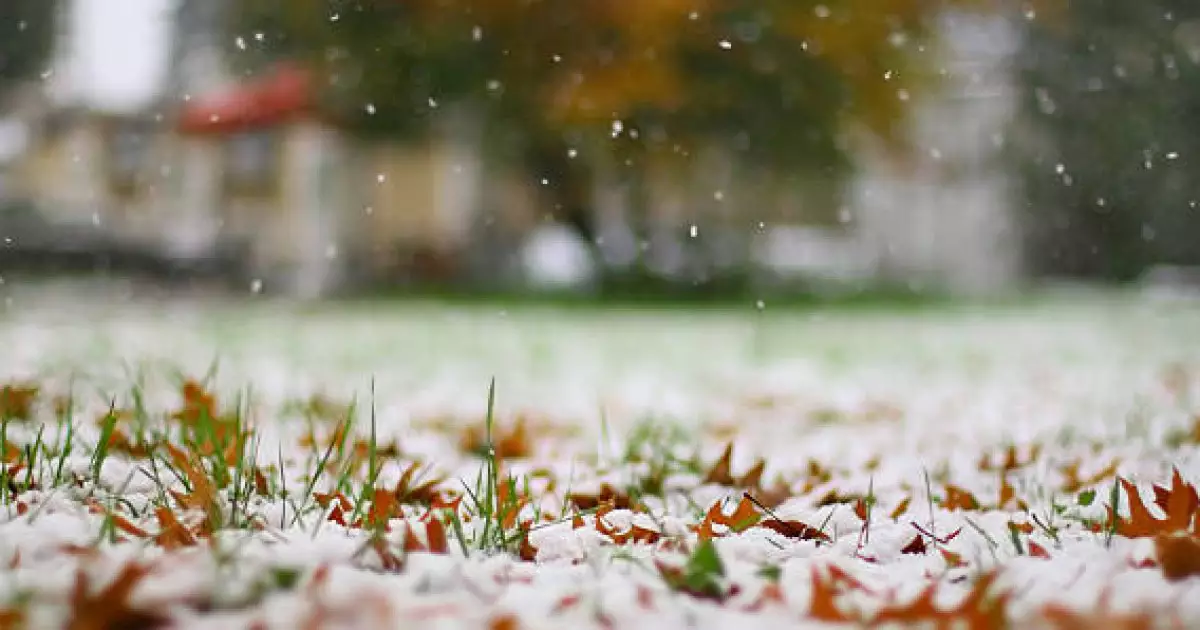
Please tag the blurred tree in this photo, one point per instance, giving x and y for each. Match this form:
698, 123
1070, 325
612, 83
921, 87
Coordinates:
1107, 151
27, 33
562, 85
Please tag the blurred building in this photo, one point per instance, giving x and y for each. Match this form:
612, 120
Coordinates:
190, 163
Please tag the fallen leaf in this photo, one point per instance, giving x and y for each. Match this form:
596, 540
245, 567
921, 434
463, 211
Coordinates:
110, 609
744, 516
979, 610
916, 546
1178, 555
794, 529
959, 499
1179, 503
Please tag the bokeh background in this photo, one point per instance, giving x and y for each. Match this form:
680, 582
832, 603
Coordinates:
757, 150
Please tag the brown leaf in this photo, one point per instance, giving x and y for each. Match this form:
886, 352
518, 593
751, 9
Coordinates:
608, 494
504, 622
172, 533
1009, 460
1038, 551
1061, 618
435, 531
203, 494
721, 473
1075, 483
979, 610
1179, 502
123, 524
959, 499
110, 609
794, 529
1178, 555
526, 551
744, 516
383, 508
824, 593
409, 491
12, 619
508, 443
17, 399
916, 546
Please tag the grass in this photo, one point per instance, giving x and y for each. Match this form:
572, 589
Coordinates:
217, 470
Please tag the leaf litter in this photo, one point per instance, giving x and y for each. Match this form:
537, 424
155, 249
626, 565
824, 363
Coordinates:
511, 520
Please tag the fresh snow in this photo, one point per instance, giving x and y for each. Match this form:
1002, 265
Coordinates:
919, 394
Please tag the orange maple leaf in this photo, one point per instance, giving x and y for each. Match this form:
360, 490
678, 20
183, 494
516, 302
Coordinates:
1179, 503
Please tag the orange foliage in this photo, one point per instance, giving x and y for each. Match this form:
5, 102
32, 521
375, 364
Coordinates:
17, 399
110, 609
1179, 503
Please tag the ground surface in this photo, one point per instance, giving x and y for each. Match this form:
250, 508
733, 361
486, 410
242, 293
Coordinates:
334, 470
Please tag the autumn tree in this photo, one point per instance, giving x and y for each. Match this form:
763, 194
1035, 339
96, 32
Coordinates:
1107, 153
564, 85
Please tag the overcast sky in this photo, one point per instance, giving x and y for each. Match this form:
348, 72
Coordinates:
116, 56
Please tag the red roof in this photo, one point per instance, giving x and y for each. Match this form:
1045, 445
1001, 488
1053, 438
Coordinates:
277, 97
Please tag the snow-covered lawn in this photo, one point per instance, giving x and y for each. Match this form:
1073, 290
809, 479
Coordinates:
340, 468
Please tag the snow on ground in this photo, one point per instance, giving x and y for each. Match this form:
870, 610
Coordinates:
909, 460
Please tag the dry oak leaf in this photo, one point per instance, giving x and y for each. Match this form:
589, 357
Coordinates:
1178, 555
109, 609
794, 529
506, 444
203, 495
979, 610
1073, 482
1179, 504
1009, 460
17, 399
636, 533
1058, 617
744, 516
12, 619
411, 491
959, 499
721, 472
607, 494
172, 534
825, 589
